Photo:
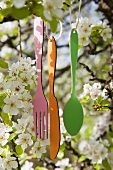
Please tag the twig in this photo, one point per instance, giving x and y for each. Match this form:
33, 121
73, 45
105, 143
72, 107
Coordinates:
20, 40
92, 74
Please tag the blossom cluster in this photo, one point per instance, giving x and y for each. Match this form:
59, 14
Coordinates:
88, 29
96, 151
102, 125
17, 101
93, 91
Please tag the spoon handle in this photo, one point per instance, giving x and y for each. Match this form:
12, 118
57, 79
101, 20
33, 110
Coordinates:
74, 55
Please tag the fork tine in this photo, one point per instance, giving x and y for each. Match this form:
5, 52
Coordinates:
35, 122
42, 131
36, 128
46, 124
39, 125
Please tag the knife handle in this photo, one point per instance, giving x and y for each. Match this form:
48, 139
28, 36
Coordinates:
51, 62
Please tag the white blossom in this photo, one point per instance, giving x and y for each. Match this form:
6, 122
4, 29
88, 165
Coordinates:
44, 142
1, 77
85, 29
19, 4
1, 164
3, 138
12, 105
20, 126
111, 85
24, 140
95, 151
51, 7
63, 163
96, 86
101, 126
83, 39
26, 78
106, 33
87, 88
8, 128
30, 129
10, 162
94, 94
4, 86
17, 87
27, 166
38, 149
27, 61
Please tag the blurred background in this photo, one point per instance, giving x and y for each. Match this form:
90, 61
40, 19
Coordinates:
96, 57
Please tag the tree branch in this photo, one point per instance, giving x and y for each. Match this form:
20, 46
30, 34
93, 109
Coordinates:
20, 40
92, 74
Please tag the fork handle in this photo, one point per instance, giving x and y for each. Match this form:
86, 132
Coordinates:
51, 63
38, 45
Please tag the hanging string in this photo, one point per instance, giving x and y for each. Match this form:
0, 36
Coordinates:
79, 10
61, 30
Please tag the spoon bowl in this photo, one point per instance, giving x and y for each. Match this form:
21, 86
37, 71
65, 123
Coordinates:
72, 121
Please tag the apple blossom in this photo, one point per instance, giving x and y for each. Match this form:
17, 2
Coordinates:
10, 162
24, 140
38, 149
12, 105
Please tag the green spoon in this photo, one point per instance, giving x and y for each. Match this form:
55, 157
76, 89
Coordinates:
73, 112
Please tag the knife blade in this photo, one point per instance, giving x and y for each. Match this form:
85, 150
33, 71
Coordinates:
53, 104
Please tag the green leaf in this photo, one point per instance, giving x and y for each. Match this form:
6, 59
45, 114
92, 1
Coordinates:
6, 151
3, 64
38, 10
110, 134
96, 166
95, 28
2, 97
85, 99
80, 46
82, 158
27, 87
19, 150
6, 118
20, 13
1, 17
106, 164
62, 148
109, 40
7, 78
69, 169
94, 39
105, 103
5, 11
65, 7
105, 108
60, 155
12, 136
68, 2
53, 25
40, 168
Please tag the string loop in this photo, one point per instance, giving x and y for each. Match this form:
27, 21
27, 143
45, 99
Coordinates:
47, 34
